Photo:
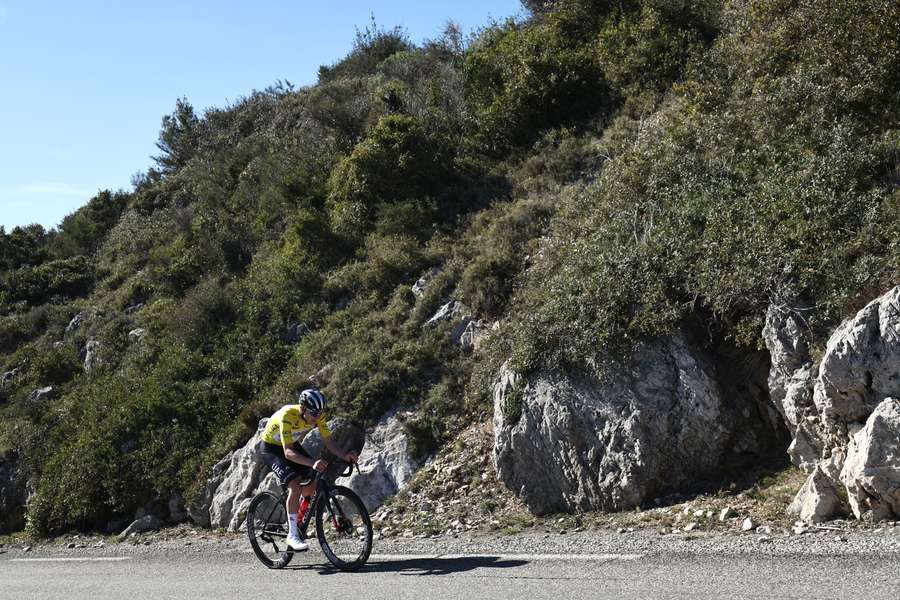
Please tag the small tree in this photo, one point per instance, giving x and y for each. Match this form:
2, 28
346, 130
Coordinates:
371, 46
83, 231
178, 137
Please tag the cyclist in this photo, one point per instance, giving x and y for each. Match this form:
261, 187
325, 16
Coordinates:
280, 449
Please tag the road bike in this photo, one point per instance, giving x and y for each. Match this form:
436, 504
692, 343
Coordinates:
343, 525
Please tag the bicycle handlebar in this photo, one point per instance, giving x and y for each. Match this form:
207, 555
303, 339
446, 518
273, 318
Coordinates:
345, 473
349, 470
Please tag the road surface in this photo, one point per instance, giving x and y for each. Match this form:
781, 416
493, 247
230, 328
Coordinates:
232, 575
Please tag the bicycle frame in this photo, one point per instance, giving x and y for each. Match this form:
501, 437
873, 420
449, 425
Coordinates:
322, 490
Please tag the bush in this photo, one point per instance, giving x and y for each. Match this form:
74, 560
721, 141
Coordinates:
397, 162
522, 79
83, 231
386, 262
559, 157
122, 440
726, 201
498, 246
70, 278
376, 358
23, 246
202, 315
53, 366
371, 47
645, 51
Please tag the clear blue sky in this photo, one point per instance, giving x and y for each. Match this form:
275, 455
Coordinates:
84, 84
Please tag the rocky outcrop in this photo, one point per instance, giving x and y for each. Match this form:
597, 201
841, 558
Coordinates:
861, 366
840, 408
293, 333
418, 288
77, 321
791, 380
8, 376
871, 470
451, 311
817, 500
91, 356
142, 525
177, 513
385, 464
242, 477
198, 510
575, 441
41, 394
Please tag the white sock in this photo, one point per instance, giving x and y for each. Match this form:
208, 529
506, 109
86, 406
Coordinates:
292, 525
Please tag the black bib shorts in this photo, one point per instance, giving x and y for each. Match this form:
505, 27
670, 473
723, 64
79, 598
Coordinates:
286, 470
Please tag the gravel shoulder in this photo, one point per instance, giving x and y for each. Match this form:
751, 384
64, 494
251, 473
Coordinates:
186, 540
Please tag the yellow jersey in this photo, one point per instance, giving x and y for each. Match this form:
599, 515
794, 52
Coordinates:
287, 426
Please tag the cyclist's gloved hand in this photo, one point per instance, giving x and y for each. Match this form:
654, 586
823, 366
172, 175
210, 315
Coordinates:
351, 457
320, 465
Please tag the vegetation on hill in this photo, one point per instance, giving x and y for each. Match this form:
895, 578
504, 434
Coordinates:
591, 175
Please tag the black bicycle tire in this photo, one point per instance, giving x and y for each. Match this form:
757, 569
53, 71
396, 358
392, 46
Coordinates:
286, 556
320, 530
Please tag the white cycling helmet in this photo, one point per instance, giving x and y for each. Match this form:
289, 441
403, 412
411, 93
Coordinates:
314, 400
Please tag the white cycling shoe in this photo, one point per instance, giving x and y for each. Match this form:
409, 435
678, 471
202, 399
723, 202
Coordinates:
296, 544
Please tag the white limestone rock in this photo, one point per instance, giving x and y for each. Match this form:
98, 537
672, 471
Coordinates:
573, 441
817, 500
385, 464
871, 471
861, 365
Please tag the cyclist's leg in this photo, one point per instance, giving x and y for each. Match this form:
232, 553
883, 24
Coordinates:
294, 495
289, 473
305, 473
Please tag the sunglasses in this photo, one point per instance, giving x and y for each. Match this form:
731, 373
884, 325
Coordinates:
313, 413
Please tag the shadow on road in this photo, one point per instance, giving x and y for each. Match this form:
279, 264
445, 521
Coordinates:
422, 566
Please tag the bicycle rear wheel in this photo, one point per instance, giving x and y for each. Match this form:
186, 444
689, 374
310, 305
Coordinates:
267, 529
344, 529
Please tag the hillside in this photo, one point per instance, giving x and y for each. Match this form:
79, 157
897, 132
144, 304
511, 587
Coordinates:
596, 176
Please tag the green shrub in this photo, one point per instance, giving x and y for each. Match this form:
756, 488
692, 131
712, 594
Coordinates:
53, 366
71, 278
559, 157
129, 245
438, 416
386, 262
645, 51
522, 79
499, 245
23, 246
19, 328
84, 230
397, 162
202, 314
729, 199
122, 440
371, 47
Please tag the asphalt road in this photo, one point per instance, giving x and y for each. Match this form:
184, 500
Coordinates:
427, 577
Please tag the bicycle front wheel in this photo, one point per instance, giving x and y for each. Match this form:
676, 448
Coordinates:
344, 528
267, 529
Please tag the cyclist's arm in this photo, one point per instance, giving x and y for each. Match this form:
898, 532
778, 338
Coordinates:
294, 456
338, 451
287, 442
